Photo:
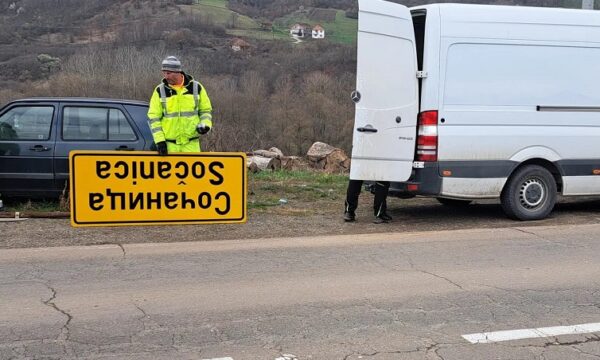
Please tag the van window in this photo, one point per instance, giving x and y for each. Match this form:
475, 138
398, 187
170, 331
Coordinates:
522, 75
418, 18
26, 123
91, 123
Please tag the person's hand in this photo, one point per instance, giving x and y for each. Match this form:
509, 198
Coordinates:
202, 129
162, 148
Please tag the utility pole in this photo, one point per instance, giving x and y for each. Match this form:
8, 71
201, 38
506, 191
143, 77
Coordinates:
587, 4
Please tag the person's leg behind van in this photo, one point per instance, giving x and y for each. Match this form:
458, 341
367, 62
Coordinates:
380, 202
354, 187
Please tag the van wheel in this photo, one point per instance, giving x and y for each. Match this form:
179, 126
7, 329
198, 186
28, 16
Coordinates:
454, 202
530, 193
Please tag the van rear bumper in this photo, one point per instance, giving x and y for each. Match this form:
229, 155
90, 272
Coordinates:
424, 181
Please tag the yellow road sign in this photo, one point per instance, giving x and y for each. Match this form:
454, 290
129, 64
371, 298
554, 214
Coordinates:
117, 188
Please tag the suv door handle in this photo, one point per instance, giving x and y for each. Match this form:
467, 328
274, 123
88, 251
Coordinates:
39, 148
367, 128
124, 148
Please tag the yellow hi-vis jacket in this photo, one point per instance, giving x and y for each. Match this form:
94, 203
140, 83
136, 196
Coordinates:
173, 114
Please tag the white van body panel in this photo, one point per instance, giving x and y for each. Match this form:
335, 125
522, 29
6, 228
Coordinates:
501, 63
581, 185
471, 188
387, 109
512, 85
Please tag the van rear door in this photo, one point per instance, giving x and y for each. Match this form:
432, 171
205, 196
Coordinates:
386, 95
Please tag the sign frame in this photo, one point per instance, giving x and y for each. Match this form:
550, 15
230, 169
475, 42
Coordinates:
83, 221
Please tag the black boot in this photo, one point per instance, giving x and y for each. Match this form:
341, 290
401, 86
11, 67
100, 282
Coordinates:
349, 216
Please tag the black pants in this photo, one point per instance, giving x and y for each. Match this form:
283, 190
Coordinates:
379, 204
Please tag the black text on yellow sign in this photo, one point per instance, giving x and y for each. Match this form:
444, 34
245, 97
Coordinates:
115, 188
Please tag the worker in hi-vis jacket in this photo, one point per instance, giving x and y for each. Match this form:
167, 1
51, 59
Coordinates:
179, 110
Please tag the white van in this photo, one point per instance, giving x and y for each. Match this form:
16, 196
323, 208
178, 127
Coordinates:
465, 102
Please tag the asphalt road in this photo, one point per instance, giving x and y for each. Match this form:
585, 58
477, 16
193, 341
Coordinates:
411, 295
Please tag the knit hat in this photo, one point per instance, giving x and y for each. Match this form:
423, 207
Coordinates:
171, 63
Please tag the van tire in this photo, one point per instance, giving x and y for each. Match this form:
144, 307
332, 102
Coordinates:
529, 194
454, 202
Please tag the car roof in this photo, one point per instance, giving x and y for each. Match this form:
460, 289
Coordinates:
83, 100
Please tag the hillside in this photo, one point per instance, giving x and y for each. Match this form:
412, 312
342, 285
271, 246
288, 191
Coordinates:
275, 91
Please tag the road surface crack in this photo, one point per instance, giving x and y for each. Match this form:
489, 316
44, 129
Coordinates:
441, 277
64, 332
144, 316
433, 351
572, 344
529, 233
376, 353
122, 249
590, 339
414, 267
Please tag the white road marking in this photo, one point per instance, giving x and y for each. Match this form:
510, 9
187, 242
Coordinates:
225, 358
497, 336
287, 357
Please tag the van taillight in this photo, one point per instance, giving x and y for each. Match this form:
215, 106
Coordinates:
427, 136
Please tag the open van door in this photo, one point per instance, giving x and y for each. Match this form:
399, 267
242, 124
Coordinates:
386, 95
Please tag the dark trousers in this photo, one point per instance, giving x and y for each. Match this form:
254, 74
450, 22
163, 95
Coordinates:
379, 204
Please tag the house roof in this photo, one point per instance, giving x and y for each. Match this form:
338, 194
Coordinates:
239, 42
318, 28
301, 26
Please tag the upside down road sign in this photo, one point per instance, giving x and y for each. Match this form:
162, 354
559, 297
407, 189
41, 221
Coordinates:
116, 188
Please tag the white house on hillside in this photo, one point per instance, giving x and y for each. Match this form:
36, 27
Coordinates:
300, 30
238, 44
318, 32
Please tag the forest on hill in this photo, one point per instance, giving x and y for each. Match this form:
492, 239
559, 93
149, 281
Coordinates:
274, 92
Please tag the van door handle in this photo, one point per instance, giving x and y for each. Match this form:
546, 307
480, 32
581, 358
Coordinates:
367, 128
39, 148
124, 148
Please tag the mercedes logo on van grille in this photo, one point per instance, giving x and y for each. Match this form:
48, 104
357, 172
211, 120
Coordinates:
355, 96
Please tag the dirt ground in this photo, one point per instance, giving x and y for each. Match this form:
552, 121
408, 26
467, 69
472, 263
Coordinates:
297, 219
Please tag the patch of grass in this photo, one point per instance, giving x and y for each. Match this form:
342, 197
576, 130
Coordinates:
215, 3
302, 176
260, 34
299, 190
219, 14
23, 205
343, 30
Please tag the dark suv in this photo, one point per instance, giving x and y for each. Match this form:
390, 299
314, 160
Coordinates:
37, 134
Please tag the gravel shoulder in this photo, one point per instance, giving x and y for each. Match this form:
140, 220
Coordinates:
296, 219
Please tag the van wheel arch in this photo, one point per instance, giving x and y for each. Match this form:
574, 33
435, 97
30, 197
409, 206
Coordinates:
530, 192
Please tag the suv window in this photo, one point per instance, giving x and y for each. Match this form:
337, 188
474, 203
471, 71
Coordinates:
26, 123
89, 123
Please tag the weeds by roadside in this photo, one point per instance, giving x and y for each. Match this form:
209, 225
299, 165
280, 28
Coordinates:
23, 205
294, 191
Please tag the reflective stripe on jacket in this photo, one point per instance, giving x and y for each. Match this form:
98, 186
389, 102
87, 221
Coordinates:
173, 114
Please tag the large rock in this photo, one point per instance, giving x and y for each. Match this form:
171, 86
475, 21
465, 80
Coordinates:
330, 159
277, 151
267, 153
259, 160
294, 163
258, 163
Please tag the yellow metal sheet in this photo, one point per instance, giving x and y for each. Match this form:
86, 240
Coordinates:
117, 188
